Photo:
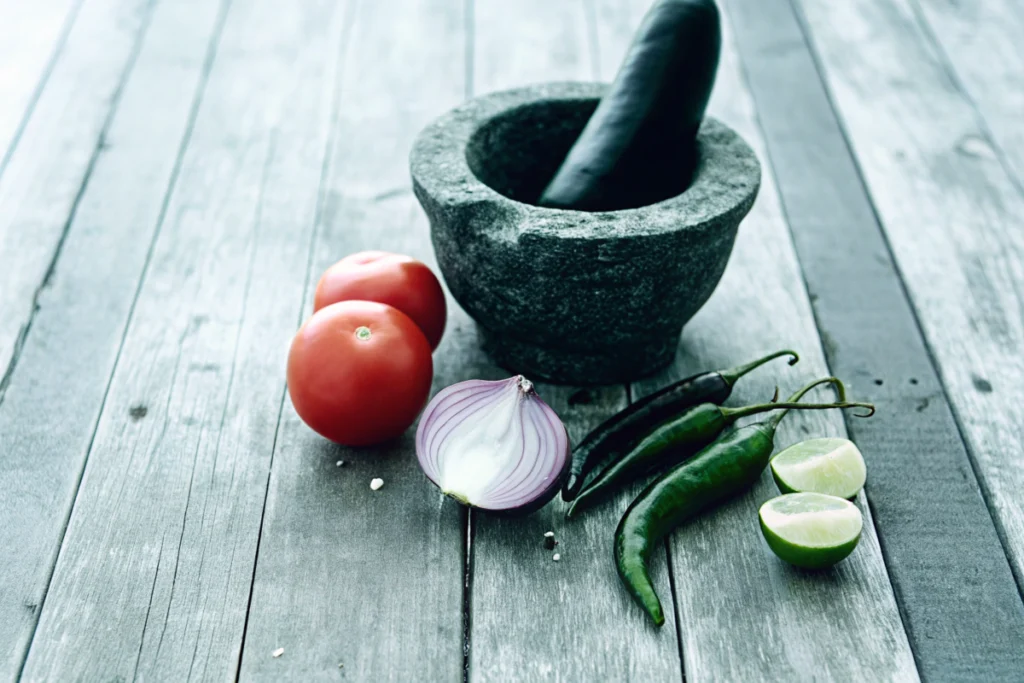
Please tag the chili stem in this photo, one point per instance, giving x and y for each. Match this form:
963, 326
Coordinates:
733, 374
737, 413
834, 381
792, 404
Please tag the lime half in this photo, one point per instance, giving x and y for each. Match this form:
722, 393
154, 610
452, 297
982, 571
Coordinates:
832, 466
811, 530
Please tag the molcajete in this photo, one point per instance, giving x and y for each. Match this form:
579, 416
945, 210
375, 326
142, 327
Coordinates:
573, 296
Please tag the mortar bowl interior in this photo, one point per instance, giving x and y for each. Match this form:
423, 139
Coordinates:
517, 152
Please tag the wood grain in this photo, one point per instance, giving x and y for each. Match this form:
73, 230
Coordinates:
358, 584
945, 211
44, 175
31, 35
880, 349
980, 45
532, 618
298, 157
154, 575
743, 614
55, 394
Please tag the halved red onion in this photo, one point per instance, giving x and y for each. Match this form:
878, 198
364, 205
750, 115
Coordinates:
493, 445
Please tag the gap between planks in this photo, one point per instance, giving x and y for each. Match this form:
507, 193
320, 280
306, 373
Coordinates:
7, 146
190, 122
343, 44
241, 38
393, 627
19, 342
469, 29
56, 380
811, 147
875, 592
979, 46
570, 619
944, 63
952, 187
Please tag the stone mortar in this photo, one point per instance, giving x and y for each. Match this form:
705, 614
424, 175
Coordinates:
572, 296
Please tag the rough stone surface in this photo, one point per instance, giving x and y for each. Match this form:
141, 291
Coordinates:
572, 296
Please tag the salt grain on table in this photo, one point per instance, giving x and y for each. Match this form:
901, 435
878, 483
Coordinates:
277, 653
376, 483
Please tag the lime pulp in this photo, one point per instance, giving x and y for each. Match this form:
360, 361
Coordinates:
831, 466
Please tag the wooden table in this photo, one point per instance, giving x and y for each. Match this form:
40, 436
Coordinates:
174, 174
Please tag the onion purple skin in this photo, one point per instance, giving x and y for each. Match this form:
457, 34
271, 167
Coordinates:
541, 501
438, 415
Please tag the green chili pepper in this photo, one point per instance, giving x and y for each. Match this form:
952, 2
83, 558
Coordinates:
670, 443
621, 432
729, 466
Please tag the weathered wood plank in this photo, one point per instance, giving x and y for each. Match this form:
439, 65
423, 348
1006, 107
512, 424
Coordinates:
372, 580
551, 43
616, 22
45, 173
154, 576
532, 618
745, 615
982, 46
54, 396
31, 33
935, 530
945, 210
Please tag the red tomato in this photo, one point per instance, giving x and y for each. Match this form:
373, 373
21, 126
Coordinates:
392, 279
359, 372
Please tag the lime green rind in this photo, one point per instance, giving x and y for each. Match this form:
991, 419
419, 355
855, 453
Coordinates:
797, 556
828, 528
781, 484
